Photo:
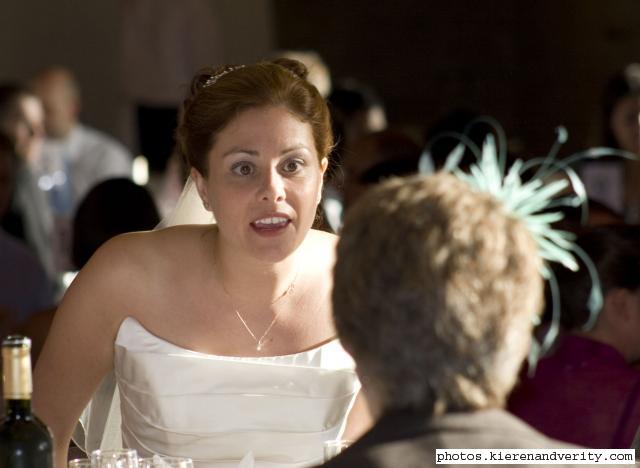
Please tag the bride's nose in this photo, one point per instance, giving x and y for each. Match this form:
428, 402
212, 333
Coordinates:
272, 186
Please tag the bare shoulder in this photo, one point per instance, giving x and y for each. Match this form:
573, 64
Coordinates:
130, 271
152, 249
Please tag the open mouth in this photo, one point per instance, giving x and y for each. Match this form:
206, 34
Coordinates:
270, 224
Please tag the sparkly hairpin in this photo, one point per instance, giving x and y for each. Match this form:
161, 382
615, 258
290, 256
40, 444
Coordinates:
533, 202
226, 70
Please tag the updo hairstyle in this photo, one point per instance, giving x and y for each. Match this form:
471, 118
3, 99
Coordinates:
218, 95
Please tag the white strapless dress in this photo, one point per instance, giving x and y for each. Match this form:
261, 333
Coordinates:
217, 409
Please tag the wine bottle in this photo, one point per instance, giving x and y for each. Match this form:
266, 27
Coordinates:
25, 442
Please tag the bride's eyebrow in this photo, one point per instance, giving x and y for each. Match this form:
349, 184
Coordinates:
240, 150
295, 148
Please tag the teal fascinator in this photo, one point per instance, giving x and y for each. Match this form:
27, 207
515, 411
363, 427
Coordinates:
532, 191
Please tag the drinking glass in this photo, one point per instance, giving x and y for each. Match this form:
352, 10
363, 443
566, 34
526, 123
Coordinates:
334, 447
165, 462
80, 463
125, 458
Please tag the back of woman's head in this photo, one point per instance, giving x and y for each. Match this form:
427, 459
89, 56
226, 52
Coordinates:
615, 252
112, 207
218, 95
443, 279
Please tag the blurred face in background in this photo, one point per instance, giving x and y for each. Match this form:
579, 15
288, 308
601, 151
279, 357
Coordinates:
625, 123
25, 126
30, 128
60, 100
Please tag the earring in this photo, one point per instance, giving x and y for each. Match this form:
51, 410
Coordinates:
205, 203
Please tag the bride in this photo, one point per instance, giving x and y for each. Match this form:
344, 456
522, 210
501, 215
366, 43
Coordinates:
218, 336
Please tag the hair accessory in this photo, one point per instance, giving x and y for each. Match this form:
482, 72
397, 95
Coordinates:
225, 71
532, 200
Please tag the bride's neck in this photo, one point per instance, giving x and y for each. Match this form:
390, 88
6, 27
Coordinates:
243, 276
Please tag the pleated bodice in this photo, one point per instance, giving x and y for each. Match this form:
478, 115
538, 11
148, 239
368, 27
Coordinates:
215, 409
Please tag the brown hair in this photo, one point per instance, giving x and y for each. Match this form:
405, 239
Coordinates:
219, 95
436, 288
615, 252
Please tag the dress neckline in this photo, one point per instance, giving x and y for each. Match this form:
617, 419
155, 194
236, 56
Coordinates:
145, 330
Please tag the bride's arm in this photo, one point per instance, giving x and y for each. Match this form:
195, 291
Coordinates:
78, 351
359, 420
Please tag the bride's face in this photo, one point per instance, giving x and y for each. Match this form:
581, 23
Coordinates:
264, 182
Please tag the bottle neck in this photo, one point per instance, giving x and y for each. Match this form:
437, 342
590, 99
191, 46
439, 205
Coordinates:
15, 409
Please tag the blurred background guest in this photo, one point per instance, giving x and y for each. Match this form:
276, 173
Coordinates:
375, 157
25, 287
319, 74
74, 156
356, 111
112, 207
615, 182
27, 216
586, 391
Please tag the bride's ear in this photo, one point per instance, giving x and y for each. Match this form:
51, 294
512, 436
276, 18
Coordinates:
201, 185
324, 163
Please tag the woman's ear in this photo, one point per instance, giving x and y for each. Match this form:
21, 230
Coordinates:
201, 185
324, 163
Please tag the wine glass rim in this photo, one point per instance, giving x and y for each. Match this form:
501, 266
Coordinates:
79, 462
160, 460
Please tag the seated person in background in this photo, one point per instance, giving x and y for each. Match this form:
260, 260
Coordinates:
112, 207
355, 111
435, 292
586, 391
25, 288
85, 155
375, 157
74, 157
319, 74
28, 216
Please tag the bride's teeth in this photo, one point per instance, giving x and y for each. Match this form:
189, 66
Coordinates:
271, 220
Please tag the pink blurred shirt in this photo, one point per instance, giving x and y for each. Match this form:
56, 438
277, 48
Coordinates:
585, 393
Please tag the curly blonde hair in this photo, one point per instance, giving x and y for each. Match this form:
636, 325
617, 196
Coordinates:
436, 290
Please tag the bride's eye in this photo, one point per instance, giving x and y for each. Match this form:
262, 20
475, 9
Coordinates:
242, 169
292, 166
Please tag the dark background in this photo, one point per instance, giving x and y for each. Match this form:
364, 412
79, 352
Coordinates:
531, 64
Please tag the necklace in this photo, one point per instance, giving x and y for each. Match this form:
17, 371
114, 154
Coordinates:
260, 341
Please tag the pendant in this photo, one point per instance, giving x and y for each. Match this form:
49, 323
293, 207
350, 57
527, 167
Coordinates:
259, 346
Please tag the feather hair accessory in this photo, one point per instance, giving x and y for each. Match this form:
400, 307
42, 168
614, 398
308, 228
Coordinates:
533, 199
